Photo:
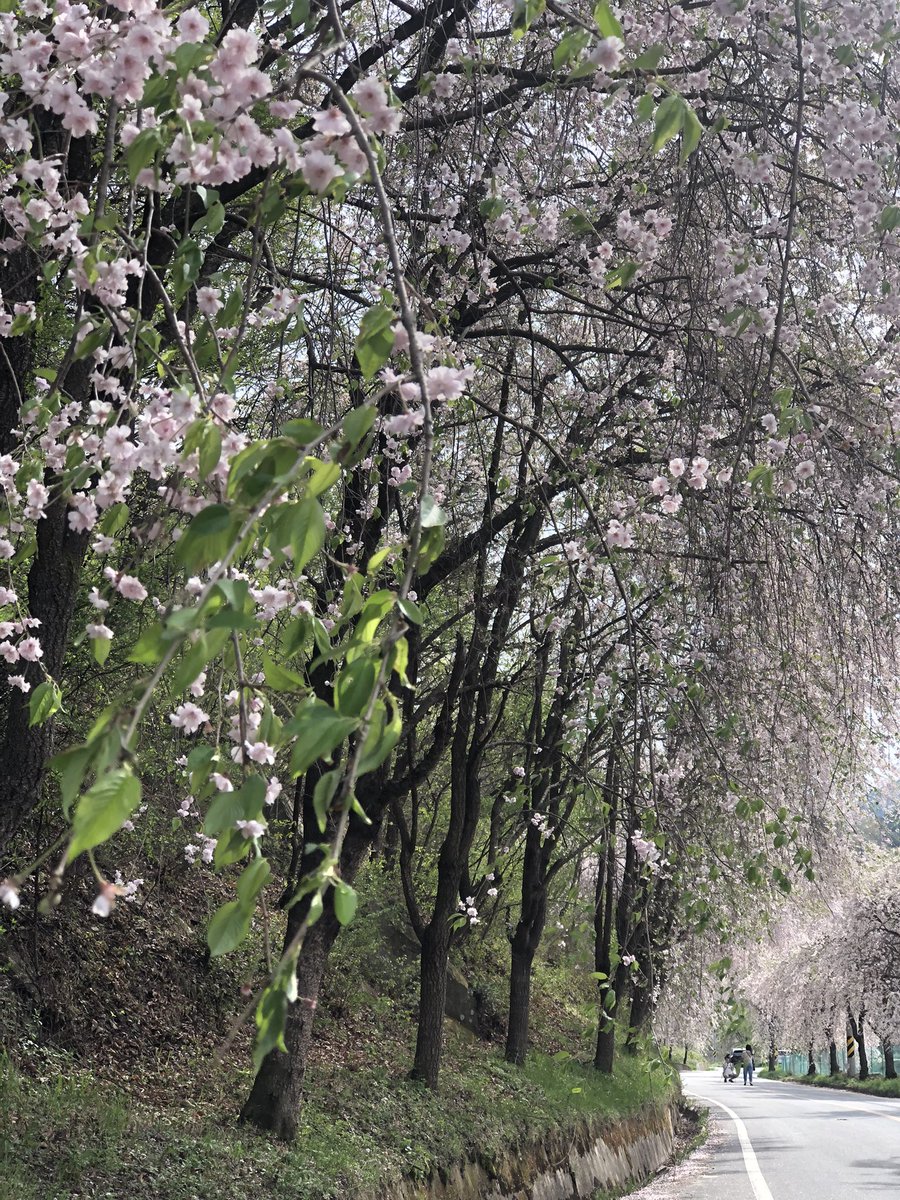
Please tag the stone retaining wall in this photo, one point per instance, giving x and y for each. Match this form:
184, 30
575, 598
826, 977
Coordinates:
596, 1155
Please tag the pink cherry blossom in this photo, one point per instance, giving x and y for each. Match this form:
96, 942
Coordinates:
251, 829
30, 649
188, 717
331, 122
319, 170
131, 588
209, 301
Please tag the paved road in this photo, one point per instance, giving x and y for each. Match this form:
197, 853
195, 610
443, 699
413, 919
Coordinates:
784, 1141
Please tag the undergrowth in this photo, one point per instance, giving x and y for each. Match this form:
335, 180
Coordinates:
875, 1085
134, 1101
360, 1130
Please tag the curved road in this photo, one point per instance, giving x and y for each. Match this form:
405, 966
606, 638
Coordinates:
785, 1141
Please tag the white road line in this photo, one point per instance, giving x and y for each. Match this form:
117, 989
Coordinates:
754, 1174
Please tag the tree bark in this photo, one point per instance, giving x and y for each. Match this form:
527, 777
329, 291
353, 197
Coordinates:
432, 1001
604, 899
276, 1096
641, 1007
519, 999
275, 1099
811, 1060
834, 1067
887, 1049
860, 1033
684, 1061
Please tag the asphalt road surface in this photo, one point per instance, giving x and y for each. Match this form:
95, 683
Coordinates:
785, 1141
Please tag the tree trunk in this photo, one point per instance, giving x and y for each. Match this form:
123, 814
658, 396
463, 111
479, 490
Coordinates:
519, 1000
684, 1061
432, 1001
773, 1053
811, 1060
861, 1039
641, 1007
604, 901
275, 1100
605, 1051
834, 1067
887, 1049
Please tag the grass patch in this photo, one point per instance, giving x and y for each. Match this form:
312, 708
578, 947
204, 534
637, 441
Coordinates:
126, 1096
875, 1085
364, 1129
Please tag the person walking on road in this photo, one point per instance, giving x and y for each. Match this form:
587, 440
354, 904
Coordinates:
747, 1065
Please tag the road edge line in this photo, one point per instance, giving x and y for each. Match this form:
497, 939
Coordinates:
751, 1163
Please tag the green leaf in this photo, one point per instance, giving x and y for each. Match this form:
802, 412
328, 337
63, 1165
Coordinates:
345, 901
302, 431
379, 557
382, 736
271, 1013
432, 514
191, 55
212, 220
375, 609
649, 59
525, 13
430, 548
353, 687
375, 340
644, 108
889, 219
400, 660
150, 646
231, 846
323, 794
492, 207
210, 449
570, 47
280, 679
411, 611
92, 341
209, 536
319, 730
621, 275
186, 268
244, 804
358, 422
668, 121
114, 520
301, 527
295, 636
71, 767
101, 811
198, 654
608, 24
229, 926
255, 877
44, 702
142, 151
691, 132
324, 475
